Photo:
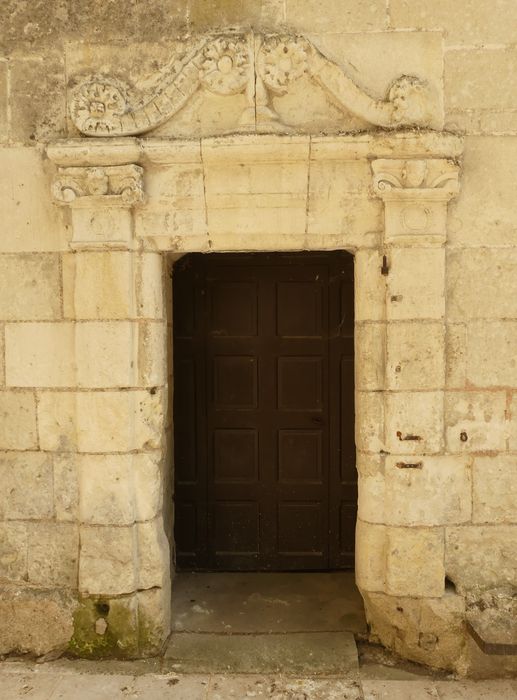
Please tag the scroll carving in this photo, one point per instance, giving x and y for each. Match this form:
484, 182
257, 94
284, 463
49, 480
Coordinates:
259, 66
434, 177
117, 184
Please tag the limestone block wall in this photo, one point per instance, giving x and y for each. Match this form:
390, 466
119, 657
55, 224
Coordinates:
83, 332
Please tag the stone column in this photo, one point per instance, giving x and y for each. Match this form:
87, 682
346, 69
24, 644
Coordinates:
106, 423
410, 489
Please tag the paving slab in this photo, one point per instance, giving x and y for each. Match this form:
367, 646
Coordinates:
33, 686
477, 690
399, 690
314, 653
262, 687
267, 602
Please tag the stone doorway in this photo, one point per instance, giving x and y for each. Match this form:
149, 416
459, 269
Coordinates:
285, 193
265, 473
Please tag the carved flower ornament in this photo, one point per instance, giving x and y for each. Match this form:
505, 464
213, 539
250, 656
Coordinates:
98, 103
282, 60
225, 68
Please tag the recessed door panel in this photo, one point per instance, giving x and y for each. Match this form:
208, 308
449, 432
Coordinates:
263, 412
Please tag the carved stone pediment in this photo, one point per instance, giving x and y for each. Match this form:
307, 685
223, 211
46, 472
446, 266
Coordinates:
256, 66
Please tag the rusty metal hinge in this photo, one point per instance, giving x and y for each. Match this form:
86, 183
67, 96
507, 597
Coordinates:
385, 267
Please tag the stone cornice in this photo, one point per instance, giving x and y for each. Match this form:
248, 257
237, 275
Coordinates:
266, 148
259, 66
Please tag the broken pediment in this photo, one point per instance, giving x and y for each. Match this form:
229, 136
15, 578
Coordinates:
248, 83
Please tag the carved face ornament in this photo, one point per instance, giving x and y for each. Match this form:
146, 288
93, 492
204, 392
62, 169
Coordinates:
96, 103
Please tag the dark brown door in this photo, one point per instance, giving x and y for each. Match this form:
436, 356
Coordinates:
265, 474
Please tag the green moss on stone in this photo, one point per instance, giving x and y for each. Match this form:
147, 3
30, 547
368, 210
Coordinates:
120, 639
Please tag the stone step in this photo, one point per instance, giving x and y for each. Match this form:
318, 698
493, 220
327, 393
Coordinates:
313, 653
494, 631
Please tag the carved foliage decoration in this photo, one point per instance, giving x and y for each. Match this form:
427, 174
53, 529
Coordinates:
117, 183
258, 66
438, 176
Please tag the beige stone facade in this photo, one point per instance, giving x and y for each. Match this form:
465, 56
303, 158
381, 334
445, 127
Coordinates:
130, 137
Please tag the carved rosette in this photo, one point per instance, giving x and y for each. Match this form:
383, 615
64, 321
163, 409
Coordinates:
225, 67
98, 104
112, 185
282, 60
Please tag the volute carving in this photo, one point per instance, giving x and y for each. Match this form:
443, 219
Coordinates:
436, 177
114, 184
260, 66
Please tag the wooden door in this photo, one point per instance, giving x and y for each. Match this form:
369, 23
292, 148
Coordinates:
265, 474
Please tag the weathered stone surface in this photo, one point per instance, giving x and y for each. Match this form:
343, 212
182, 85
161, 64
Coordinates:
3, 102
53, 554
369, 432
415, 562
119, 489
469, 80
469, 295
106, 627
148, 485
481, 556
370, 289
455, 356
26, 492
401, 561
414, 422
106, 489
112, 285
13, 551
30, 221
153, 555
30, 287
370, 565
494, 497
475, 421
484, 213
491, 357
154, 608
35, 621
66, 487
93, 354
37, 92
101, 421
370, 353
429, 631
18, 420
2, 355
415, 356
464, 23
341, 16
107, 560
513, 423
416, 287
436, 493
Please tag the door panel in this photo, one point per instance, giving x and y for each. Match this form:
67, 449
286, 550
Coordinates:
263, 411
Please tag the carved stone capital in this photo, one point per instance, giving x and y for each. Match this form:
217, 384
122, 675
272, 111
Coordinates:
415, 193
111, 186
433, 179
